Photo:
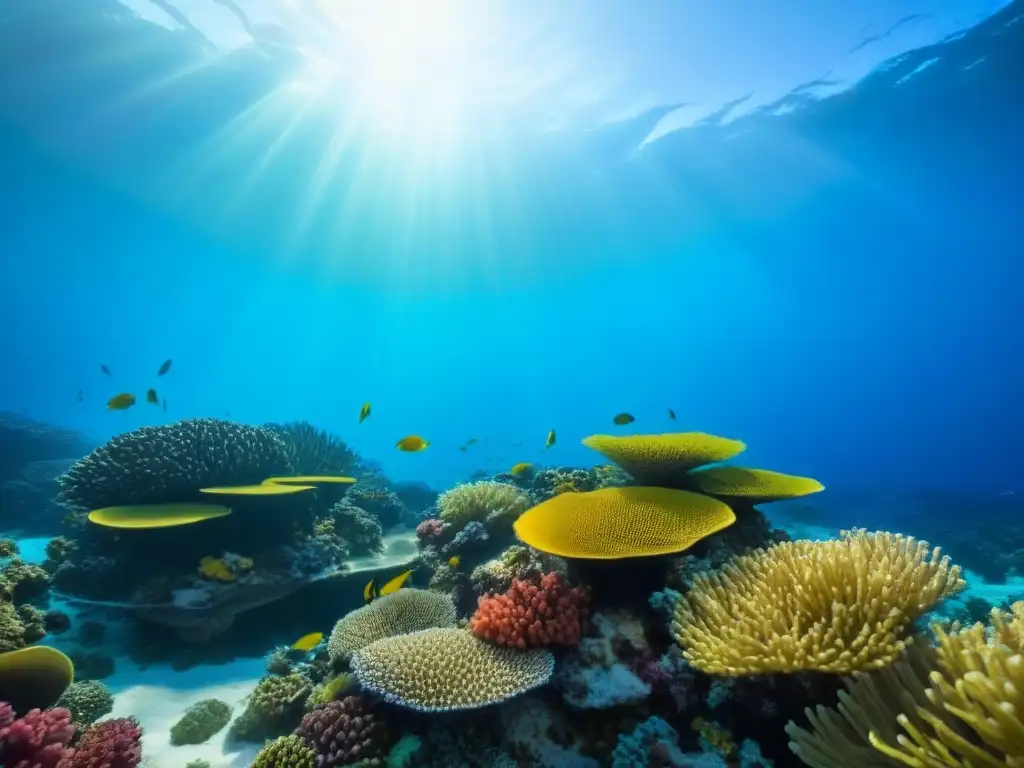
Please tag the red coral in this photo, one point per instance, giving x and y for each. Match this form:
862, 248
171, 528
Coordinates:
430, 529
37, 740
109, 744
343, 732
531, 615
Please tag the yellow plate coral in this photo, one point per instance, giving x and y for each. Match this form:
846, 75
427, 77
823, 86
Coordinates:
156, 515
614, 523
272, 489
663, 459
758, 485
34, 677
309, 480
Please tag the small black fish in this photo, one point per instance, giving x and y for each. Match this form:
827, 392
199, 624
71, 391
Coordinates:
164, 368
106, 370
165, 405
151, 397
671, 414
80, 397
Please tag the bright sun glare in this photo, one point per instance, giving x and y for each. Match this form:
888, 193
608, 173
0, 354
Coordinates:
411, 65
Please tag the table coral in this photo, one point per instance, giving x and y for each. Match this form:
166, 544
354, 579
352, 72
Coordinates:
532, 615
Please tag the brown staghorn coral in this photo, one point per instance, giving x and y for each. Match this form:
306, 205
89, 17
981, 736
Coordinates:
836, 606
957, 705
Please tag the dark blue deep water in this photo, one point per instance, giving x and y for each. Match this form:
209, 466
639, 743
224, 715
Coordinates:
796, 224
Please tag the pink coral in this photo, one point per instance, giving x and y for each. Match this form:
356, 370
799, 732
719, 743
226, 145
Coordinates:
109, 744
430, 529
532, 615
37, 740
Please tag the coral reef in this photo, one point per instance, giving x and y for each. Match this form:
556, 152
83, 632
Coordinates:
345, 732
360, 532
108, 744
531, 615
154, 465
448, 669
272, 708
87, 701
485, 500
653, 742
399, 613
834, 606
373, 495
286, 752
516, 562
37, 740
957, 704
200, 722
310, 450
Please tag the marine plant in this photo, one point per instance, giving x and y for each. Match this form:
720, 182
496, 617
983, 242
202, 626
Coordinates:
399, 613
200, 722
87, 700
834, 606
446, 669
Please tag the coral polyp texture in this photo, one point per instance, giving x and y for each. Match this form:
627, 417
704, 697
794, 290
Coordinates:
664, 459
753, 485
532, 615
314, 451
437, 670
480, 501
286, 752
38, 739
614, 523
835, 606
170, 463
407, 610
957, 705
345, 732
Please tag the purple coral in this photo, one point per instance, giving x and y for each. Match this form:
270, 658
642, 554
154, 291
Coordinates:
37, 740
343, 732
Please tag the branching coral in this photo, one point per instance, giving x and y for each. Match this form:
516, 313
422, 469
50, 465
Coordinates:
485, 500
344, 732
37, 740
406, 610
957, 705
155, 465
438, 670
108, 744
532, 615
833, 606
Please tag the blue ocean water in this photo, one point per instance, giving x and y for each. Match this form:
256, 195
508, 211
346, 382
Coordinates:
797, 224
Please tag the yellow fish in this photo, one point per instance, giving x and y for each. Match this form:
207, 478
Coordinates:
370, 591
671, 414
120, 402
308, 642
624, 418
151, 397
454, 561
521, 468
550, 440
364, 412
411, 444
395, 584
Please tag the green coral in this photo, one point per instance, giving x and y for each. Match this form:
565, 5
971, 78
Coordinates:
274, 703
485, 500
198, 764
24, 581
200, 721
8, 548
59, 549
34, 622
88, 701
12, 631
286, 752
329, 690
